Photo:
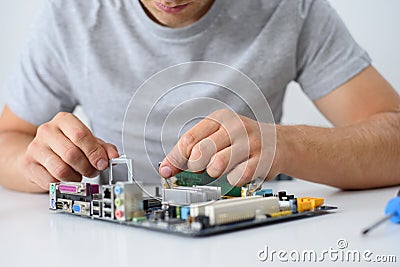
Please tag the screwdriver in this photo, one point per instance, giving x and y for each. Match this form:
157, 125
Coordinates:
392, 213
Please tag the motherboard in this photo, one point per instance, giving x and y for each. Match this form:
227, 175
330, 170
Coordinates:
188, 204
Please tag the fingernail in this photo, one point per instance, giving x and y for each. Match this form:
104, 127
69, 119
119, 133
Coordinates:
102, 165
166, 172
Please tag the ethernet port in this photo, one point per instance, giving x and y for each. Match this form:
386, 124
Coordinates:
107, 193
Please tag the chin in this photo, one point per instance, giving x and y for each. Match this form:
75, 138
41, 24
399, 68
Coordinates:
174, 22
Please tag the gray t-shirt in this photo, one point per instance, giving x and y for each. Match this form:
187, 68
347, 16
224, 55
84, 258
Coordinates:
96, 53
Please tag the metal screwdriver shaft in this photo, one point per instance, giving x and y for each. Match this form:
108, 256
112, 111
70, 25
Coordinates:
392, 213
384, 219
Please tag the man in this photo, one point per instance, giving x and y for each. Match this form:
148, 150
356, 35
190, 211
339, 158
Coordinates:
81, 49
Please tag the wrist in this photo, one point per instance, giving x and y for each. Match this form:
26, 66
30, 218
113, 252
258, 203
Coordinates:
278, 160
287, 141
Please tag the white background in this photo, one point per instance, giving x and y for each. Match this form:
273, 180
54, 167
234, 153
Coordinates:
374, 24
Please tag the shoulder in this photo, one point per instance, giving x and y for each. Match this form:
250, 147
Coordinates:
72, 19
72, 5
71, 8
300, 8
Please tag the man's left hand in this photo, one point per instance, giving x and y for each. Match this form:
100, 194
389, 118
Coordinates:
225, 143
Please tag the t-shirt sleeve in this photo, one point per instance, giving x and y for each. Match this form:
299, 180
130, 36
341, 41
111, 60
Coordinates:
39, 87
327, 55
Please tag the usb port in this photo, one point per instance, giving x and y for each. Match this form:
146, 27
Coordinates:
107, 205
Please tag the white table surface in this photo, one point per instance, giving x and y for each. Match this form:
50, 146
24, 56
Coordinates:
31, 235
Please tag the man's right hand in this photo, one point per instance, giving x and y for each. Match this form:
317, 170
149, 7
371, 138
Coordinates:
64, 149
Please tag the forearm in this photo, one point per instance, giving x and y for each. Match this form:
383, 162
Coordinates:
14, 145
359, 156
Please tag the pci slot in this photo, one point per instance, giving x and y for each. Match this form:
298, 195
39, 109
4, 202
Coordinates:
230, 211
200, 208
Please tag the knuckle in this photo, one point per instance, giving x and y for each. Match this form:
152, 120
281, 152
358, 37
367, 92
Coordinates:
227, 112
32, 147
235, 128
188, 139
62, 115
255, 146
43, 130
246, 124
218, 116
196, 152
72, 155
62, 171
223, 112
79, 136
